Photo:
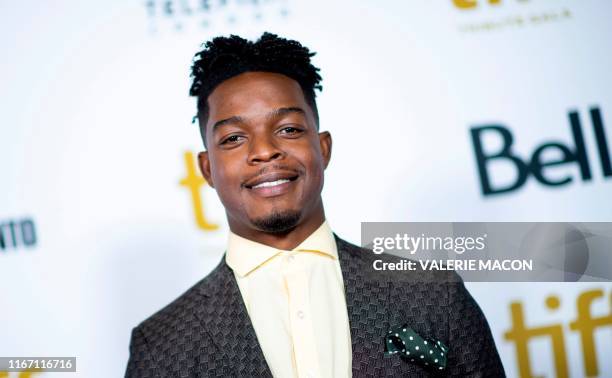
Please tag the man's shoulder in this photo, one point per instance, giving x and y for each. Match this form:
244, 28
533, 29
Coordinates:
181, 311
168, 342
387, 267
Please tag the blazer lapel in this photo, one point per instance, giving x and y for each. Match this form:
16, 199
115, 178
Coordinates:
367, 300
226, 319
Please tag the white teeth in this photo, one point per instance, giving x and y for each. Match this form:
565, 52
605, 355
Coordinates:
271, 183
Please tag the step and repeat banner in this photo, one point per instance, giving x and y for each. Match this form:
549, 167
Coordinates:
440, 111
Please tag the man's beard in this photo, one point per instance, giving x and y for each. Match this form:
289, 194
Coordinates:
278, 222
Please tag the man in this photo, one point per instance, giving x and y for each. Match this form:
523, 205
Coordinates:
290, 298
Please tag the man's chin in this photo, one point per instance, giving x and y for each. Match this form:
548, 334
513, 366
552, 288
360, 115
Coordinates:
278, 222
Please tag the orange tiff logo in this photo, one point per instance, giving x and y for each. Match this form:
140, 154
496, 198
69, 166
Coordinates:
585, 324
23, 374
469, 4
193, 181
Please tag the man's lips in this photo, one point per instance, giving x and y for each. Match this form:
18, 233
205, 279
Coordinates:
270, 180
272, 184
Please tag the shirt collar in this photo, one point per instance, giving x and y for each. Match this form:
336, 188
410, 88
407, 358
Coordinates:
244, 255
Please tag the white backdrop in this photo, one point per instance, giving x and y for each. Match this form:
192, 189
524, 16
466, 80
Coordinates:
96, 138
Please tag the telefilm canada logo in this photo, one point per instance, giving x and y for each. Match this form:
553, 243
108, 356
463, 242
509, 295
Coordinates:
538, 165
181, 15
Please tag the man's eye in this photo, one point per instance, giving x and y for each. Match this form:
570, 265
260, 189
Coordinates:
231, 139
290, 130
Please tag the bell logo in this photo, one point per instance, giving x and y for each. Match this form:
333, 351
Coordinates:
537, 165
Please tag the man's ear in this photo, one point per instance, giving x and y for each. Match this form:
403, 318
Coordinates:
204, 164
325, 141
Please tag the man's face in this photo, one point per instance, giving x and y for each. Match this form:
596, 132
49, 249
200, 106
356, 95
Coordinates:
264, 154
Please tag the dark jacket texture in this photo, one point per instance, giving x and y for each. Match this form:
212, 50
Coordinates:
206, 332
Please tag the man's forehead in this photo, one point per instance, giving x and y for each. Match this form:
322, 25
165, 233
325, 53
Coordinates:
256, 86
255, 94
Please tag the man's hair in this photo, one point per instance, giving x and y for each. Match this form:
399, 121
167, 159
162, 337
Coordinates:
226, 57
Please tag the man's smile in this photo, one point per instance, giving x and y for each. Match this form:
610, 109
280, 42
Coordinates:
272, 184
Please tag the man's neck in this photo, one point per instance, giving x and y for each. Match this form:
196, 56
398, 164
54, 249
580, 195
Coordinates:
287, 240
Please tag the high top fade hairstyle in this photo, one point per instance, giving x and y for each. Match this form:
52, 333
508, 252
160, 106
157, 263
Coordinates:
226, 57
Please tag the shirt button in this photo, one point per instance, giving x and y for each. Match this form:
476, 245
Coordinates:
291, 258
300, 314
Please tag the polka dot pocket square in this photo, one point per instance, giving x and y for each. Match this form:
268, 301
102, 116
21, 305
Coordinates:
412, 347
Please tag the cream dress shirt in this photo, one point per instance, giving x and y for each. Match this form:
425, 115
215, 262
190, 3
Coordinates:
296, 303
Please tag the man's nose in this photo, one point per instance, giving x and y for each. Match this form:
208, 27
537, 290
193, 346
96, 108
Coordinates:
263, 148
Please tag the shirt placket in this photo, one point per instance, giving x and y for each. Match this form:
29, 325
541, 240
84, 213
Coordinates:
301, 317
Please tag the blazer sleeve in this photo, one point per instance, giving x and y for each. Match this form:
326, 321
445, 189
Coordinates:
141, 363
472, 351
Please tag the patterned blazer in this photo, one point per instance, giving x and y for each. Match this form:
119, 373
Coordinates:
206, 332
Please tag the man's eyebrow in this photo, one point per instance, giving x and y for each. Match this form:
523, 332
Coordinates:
280, 112
227, 121
276, 113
